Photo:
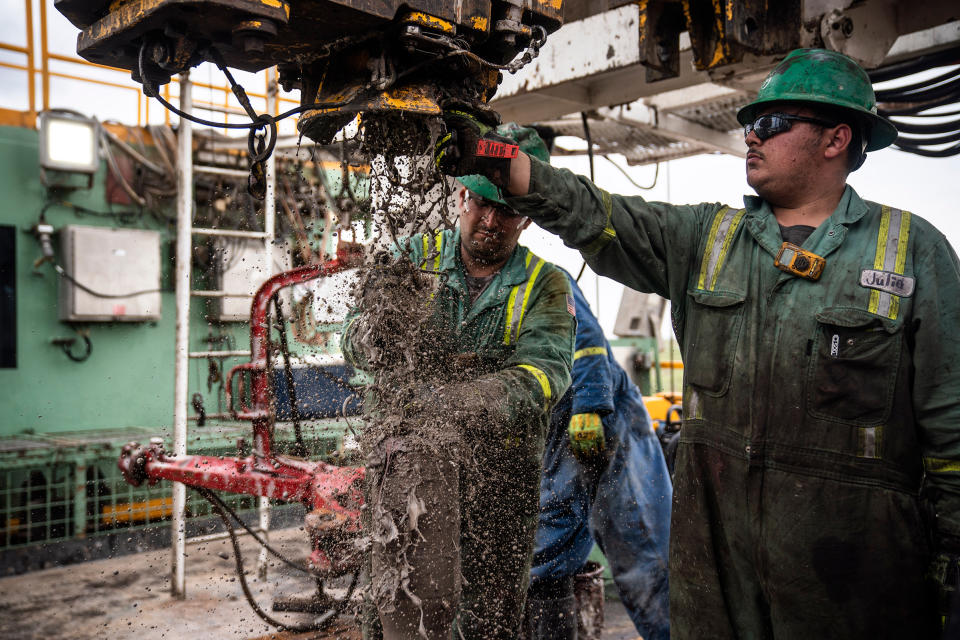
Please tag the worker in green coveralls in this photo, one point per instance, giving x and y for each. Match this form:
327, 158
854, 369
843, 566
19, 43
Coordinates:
512, 314
817, 486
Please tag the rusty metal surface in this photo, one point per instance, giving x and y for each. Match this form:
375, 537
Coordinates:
342, 54
305, 30
722, 32
661, 22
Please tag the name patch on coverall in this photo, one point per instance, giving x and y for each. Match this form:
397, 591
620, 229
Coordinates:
887, 281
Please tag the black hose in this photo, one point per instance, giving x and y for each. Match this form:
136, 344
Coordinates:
586, 134
67, 349
926, 142
918, 98
323, 621
214, 498
928, 95
941, 114
930, 153
886, 95
914, 108
928, 129
582, 269
59, 269
656, 174
907, 67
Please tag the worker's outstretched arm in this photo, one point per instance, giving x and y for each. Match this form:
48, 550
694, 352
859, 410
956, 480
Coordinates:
649, 246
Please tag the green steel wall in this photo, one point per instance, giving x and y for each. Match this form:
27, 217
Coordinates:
128, 380
62, 423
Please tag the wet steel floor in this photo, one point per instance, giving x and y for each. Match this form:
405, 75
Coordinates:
129, 597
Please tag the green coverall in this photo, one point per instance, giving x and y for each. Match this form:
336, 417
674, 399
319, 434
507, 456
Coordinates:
522, 327
819, 463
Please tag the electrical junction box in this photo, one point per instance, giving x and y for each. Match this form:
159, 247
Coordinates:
241, 267
111, 264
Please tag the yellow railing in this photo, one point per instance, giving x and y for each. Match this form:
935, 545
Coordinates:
143, 106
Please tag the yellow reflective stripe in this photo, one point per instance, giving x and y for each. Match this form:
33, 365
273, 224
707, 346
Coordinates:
708, 250
517, 304
426, 250
902, 243
891, 255
346, 327
541, 378
728, 238
941, 465
722, 230
882, 239
879, 256
526, 293
608, 233
589, 351
509, 321
439, 247
874, 301
901, 262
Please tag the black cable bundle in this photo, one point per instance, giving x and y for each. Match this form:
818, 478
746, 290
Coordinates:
918, 99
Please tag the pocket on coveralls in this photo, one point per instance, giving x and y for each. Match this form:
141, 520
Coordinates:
712, 334
853, 370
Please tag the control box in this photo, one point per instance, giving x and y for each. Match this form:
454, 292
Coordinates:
110, 274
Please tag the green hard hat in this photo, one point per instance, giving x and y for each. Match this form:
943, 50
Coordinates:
530, 143
820, 76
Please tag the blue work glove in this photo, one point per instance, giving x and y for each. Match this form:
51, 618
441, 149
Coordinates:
471, 146
586, 437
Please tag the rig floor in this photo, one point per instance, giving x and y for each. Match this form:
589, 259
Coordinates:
129, 597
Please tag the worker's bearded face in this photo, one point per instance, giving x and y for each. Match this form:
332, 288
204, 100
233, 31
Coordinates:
785, 164
488, 231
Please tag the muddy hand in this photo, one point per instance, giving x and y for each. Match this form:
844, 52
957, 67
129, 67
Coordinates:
471, 146
586, 437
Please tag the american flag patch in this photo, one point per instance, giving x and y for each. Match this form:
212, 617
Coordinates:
571, 308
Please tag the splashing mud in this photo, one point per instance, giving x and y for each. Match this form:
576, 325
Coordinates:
413, 445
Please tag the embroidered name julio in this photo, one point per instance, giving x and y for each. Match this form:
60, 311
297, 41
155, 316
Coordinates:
887, 281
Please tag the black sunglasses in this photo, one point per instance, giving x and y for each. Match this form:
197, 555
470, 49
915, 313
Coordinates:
501, 209
773, 123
